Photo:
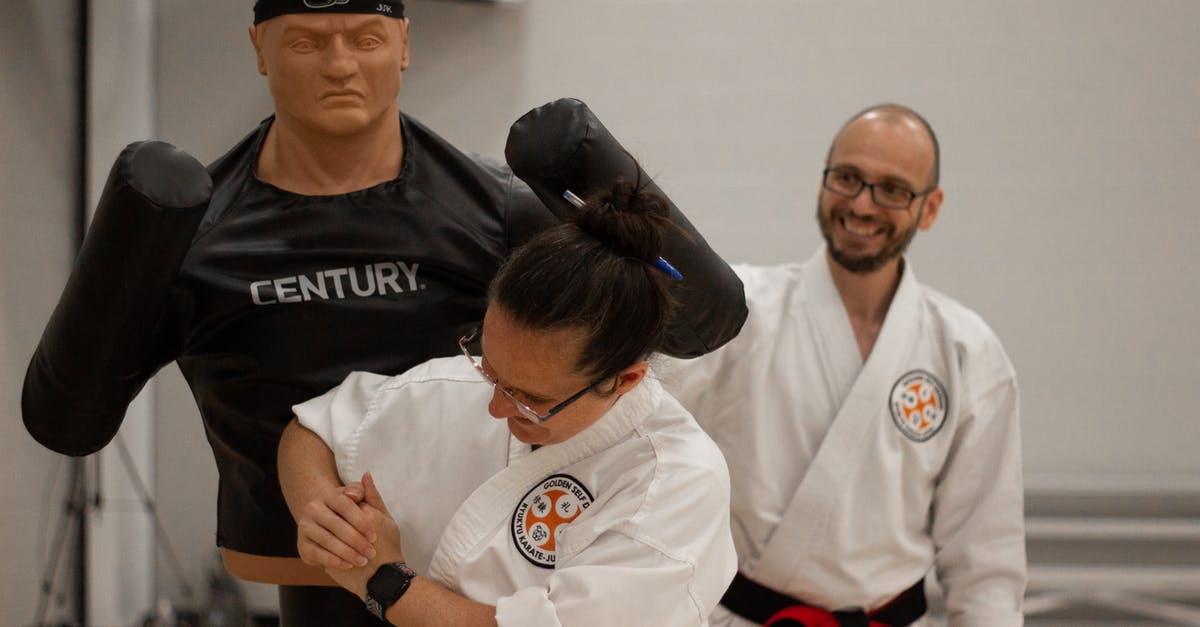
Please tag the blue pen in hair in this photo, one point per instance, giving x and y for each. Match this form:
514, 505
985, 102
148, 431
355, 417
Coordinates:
660, 264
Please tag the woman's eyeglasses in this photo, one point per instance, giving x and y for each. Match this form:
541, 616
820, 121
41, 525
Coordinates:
525, 410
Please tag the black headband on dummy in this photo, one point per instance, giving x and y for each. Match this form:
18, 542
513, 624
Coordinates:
562, 151
267, 9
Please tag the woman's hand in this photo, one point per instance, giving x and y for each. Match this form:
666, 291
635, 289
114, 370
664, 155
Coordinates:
387, 542
332, 531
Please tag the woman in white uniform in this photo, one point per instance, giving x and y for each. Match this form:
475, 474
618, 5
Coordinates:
587, 497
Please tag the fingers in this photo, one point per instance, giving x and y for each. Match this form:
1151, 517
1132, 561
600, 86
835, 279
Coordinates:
353, 491
361, 528
371, 495
318, 547
333, 532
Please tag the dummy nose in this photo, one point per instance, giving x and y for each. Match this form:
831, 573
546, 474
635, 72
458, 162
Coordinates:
339, 60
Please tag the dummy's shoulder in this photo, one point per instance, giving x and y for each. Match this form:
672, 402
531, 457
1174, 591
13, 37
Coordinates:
231, 171
460, 180
238, 161
430, 149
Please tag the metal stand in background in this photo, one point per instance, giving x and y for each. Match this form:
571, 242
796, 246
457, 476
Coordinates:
79, 504
75, 511
77, 497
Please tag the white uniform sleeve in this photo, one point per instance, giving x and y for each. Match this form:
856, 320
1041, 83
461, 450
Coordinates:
978, 518
616, 581
336, 416
664, 566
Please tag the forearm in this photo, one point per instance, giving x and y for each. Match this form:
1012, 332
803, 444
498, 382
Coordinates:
430, 604
306, 467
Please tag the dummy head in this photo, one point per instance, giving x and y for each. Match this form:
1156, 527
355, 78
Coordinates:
573, 315
879, 187
333, 66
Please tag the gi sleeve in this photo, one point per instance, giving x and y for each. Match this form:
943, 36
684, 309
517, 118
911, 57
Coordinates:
978, 513
665, 565
339, 415
617, 581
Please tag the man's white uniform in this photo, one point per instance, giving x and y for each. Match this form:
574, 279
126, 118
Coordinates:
850, 479
624, 523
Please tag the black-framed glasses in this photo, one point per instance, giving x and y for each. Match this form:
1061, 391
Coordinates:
885, 194
525, 410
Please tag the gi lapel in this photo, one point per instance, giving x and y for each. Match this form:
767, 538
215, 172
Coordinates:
487, 509
803, 529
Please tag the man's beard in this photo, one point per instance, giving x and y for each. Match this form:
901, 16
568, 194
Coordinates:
896, 244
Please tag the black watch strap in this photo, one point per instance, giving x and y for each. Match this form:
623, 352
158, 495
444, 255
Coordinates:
386, 586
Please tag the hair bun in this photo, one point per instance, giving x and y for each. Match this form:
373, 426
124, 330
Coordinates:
627, 217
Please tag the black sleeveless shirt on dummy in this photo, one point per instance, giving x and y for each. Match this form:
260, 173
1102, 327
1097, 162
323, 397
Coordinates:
282, 295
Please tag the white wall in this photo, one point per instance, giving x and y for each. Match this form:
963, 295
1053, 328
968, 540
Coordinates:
37, 208
1069, 137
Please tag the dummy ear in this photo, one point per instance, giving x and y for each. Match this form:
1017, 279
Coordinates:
933, 203
254, 41
404, 44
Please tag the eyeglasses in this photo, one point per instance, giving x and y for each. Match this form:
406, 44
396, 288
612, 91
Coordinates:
885, 194
522, 408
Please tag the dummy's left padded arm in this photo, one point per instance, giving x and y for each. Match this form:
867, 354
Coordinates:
99, 347
563, 146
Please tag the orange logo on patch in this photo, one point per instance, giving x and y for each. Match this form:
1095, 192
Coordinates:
918, 405
543, 513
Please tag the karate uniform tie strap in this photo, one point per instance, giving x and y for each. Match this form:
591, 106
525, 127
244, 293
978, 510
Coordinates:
760, 604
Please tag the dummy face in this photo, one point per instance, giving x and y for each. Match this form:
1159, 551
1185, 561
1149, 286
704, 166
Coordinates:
538, 368
333, 74
862, 236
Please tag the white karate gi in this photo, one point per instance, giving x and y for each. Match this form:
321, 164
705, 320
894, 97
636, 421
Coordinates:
851, 480
645, 491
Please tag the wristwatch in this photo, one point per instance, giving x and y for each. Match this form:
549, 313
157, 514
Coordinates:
386, 587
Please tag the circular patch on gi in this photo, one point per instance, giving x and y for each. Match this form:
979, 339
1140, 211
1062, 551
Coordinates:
918, 403
543, 511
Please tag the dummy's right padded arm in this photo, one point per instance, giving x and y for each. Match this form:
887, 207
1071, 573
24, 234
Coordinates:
562, 146
98, 349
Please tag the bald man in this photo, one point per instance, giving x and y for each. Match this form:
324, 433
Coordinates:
870, 423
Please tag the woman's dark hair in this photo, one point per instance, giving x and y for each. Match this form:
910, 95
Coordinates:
596, 274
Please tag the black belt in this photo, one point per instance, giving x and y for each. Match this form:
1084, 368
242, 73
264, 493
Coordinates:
758, 603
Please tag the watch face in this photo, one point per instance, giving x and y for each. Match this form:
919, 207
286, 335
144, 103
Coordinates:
386, 586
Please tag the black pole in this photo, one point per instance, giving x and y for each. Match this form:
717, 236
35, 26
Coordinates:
83, 145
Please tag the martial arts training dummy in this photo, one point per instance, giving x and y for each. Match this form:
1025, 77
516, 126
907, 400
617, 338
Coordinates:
340, 235
588, 496
870, 423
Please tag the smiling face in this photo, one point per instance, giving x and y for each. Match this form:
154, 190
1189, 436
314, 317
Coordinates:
336, 74
862, 236
539, 368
